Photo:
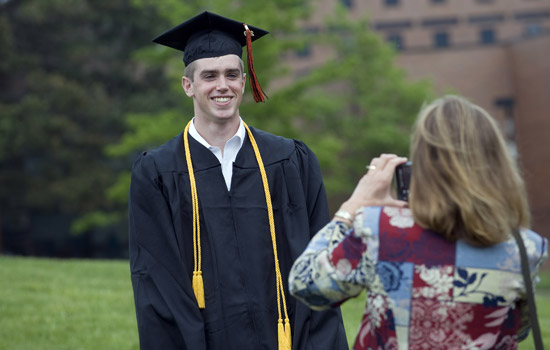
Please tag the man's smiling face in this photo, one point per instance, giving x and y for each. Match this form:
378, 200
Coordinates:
217, 87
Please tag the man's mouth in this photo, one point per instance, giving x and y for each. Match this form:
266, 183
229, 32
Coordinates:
221, 99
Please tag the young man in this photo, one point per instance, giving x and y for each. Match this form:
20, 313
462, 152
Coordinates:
219, 213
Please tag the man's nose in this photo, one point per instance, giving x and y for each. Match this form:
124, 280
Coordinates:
222, 83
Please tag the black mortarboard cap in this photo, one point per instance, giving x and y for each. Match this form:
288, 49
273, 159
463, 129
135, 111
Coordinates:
208, 35
211, 35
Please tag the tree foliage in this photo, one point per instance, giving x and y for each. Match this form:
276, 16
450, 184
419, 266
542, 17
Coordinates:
67, 77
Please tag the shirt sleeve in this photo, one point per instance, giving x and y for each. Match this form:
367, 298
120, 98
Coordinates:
335, 266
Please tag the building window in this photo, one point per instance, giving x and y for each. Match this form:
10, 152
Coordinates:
396, 41
487, 36
533, 30
392, 25
486, 18
441, 39
533, 15
347, 3
446, 21
391, 2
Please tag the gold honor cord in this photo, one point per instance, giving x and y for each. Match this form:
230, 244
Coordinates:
198, 286
285, 338
284, 332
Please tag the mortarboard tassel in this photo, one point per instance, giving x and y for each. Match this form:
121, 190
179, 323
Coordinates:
257, 91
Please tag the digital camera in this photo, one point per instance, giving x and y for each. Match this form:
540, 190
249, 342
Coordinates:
403, 180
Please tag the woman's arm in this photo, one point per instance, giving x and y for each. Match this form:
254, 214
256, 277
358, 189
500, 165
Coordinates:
336, 266
333, 268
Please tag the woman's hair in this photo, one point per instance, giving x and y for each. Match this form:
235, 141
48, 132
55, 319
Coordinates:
464, 183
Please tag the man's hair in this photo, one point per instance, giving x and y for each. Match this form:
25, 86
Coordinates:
464, 183
189, 70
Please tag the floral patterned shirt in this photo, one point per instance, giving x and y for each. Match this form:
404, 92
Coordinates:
423, 292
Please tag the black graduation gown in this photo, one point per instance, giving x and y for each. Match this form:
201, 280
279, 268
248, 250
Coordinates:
237, 254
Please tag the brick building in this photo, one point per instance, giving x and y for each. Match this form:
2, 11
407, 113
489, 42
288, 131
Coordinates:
494, 52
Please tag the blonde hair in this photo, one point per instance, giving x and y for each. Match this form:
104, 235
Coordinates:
464, 183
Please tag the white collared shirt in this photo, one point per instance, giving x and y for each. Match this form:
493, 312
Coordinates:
230, 150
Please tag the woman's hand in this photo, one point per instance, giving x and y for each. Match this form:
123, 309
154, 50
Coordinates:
374, 187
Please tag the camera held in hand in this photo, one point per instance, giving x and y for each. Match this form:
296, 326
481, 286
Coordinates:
403, 180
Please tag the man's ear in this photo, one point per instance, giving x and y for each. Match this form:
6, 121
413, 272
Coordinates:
244, 81
187, 85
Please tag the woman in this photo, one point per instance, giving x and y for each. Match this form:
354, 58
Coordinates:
444, 274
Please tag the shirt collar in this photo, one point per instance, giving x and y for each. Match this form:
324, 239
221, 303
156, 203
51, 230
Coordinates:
239, 135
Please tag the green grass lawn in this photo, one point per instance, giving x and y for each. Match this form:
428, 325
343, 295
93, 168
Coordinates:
88, 304
66, 304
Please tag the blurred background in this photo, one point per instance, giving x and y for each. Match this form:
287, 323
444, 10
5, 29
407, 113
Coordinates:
83, 90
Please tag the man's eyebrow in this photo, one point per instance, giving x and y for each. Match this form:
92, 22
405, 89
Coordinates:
215, 71
209, 71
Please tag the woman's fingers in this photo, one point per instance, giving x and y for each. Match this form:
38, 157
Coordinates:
375, 185
384, 166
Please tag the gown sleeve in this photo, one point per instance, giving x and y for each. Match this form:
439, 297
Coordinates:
314, 329
166, 309
334, 267
312, 180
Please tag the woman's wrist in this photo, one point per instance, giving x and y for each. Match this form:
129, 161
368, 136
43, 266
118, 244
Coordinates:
344, 216
347, 211
351, 207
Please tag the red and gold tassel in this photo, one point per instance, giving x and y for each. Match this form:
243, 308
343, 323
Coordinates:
257, 91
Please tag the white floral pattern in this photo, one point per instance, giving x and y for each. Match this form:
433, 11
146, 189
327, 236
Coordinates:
399, 217
439, 281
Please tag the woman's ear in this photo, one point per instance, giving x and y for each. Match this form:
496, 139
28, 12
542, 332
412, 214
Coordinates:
187, 85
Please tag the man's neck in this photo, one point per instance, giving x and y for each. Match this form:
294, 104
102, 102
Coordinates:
217, 133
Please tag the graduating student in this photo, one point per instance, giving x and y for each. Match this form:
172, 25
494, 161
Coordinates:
219, 213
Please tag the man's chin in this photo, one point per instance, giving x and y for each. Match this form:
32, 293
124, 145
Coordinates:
225, 116
222, 113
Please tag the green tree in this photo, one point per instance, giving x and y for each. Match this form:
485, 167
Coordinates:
67, 76
369, 105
